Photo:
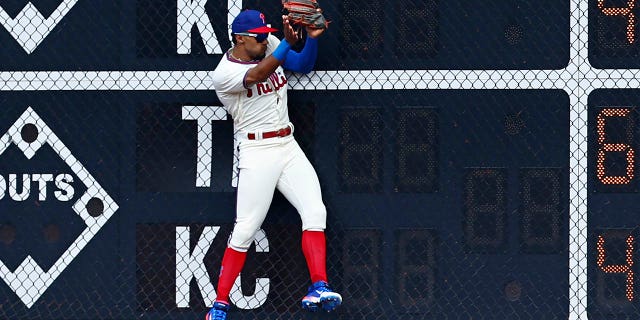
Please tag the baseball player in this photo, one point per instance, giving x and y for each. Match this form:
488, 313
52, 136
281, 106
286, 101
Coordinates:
251, 83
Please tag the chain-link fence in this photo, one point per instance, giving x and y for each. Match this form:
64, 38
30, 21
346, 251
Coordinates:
477, 161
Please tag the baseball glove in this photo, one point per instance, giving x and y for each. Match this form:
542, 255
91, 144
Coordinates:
306, 13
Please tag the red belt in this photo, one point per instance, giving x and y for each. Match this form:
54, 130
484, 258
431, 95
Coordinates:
272, 134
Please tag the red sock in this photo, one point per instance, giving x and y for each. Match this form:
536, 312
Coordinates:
314, 247
232, 264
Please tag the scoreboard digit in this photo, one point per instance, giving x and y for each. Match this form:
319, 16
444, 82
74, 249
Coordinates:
613, 32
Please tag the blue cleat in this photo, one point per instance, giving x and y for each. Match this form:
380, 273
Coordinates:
218, 312
321, 296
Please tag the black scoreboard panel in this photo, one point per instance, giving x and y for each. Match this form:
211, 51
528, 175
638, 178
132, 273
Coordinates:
436, 34
613, 204
455, 203
613, 34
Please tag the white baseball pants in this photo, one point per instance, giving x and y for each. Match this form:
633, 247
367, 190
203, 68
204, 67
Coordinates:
264, 166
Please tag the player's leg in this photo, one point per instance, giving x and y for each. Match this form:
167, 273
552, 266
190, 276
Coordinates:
300, 185
256, 185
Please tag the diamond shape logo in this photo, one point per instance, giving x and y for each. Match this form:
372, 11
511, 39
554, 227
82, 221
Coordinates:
30, 27
29, 281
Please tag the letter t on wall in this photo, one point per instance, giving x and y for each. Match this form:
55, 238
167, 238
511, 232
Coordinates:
204, 115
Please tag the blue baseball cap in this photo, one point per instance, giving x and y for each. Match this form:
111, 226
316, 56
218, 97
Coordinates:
251, 21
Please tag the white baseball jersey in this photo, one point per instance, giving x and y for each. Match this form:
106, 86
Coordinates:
260, 107
256, 109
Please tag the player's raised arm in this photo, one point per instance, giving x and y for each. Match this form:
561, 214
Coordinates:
304, 60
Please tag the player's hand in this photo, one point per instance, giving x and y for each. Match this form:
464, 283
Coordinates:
289, 33
314, 32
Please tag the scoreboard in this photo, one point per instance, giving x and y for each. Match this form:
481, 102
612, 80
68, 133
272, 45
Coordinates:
478, 160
